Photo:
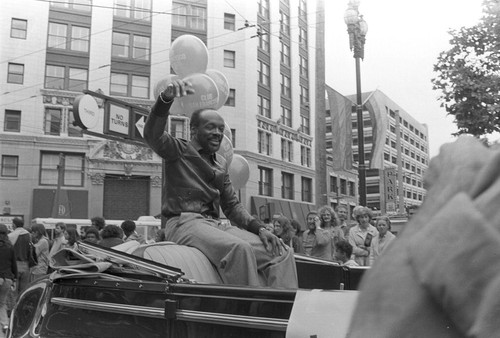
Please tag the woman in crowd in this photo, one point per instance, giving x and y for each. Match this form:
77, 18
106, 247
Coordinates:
283, 229
384, 238
361, 236
331, 222
297, 237
8, 274
71, 237
42, 247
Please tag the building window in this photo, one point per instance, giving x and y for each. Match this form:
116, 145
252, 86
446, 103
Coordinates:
18, 28
343, 186
352, 188
304, 67
52, 123
119, 84
305, 124
286, 150
305, 156
73, 169
265, 181
57, 35
264, 143
10, 165
264, 73
178, 127
286, 116
229, 21
285, 54
133, 9
264, 42
334, 188
130, 46
140, 47
229, 58
140, 86
197, 16
79, 5
286, 89
306, 189
264, 106
303, 37
231, 99
302, 9
233, 137
284, 23
66, 78
79, 39
76, 38
264, 8
12, 121
129, 85
304, 95
15, 73
287, 186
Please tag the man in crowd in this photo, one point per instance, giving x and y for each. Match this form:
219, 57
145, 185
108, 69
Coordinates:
128, 228
20, 239
343, 215
316, 241
197, 185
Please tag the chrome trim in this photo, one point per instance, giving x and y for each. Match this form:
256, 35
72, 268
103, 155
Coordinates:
250, 299
274, 324
126, 309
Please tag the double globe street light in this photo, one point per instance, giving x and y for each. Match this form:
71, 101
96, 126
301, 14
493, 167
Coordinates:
357, 29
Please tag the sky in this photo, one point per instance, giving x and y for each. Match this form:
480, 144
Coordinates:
403, 43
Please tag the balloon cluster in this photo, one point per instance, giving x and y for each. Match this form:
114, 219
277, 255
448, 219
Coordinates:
189, 60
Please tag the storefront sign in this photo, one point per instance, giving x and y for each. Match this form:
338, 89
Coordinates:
86, 111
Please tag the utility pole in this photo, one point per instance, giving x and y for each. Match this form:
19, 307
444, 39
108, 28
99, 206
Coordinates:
60, 181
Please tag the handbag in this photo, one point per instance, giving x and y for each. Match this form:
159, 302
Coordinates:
32, 257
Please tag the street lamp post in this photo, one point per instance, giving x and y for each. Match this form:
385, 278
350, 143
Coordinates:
357, 29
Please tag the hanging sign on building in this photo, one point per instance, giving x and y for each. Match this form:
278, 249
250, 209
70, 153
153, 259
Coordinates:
119, 119
390, 189
86, 111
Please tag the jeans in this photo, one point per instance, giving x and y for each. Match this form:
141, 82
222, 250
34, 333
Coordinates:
23, 276
4, 292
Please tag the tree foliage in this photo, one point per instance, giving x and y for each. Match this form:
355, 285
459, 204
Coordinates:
468, 75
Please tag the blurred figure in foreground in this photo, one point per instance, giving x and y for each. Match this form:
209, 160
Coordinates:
443, 270
8, 274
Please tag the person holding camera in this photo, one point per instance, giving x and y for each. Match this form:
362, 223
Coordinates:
361, 236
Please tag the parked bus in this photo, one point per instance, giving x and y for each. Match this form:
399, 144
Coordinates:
147, 226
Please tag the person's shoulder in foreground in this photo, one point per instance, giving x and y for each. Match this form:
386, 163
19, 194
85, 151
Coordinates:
444, 265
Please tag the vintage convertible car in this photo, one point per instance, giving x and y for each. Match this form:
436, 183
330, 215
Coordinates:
168, 290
